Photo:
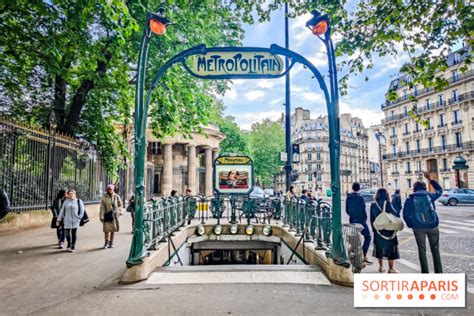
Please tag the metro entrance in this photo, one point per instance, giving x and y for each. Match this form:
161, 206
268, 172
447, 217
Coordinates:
235, 63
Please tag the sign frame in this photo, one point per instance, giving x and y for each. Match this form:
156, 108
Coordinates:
237, 161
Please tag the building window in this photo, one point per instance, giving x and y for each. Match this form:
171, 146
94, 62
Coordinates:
429, 123
409, 183
394, 132
454, 94
418, 147
395, 167
394, 149
318, 167
441, 99
395, 183
430, 144
415, 91
392, 114
457, 117
458, 140
408, 167
310, 177
444, 143
309, 156
406, 128
419, 166
405, 93
441, 120
407, 146
417, 127
427, 103
318, 156
445, 164
456, 58
455, 75
405, 110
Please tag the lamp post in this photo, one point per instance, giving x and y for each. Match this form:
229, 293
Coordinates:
378, 136
320, 26
155, 23
459, 164
289, 154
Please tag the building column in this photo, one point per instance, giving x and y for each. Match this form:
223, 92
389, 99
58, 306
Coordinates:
167, 176
215, 153
208, 180
192, 169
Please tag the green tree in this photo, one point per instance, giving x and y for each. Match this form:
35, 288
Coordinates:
235, 139
78, 59
266, 140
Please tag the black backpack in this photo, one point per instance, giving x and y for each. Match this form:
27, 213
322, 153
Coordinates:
425, 214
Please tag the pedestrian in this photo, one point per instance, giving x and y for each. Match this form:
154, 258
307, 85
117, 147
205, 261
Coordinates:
56, 209
385, 241
304, 194
397, 201
173, 193
188, 193
109, 215
355, 208
70, 216
131, 210
4, 204
291, 192
419, 213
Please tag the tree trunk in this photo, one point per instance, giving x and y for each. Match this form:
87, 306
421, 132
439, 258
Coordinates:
80, 96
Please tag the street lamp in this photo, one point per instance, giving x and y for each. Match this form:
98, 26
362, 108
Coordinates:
459, 164
155, 23
378, 136
320, 26
52, 124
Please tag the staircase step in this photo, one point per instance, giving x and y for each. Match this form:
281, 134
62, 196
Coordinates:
290, 274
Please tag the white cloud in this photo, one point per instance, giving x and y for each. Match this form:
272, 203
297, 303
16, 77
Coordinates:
231, 94
368, 116
300, 21
311, 96
245, 120
254, 95
276, 101
265, 83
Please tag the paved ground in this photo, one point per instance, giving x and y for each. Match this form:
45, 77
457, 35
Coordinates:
38, 279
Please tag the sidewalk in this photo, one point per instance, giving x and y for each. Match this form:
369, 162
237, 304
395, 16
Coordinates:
35, 275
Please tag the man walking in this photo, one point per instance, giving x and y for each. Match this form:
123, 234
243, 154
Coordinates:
355, 208
397, 201
419, 212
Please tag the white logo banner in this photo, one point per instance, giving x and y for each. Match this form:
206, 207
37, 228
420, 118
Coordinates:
410, 290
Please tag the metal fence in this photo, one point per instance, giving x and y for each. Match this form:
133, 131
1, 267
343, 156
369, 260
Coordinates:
36, 163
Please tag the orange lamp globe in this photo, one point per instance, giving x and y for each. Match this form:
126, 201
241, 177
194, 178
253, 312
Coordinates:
157, 27
320, 28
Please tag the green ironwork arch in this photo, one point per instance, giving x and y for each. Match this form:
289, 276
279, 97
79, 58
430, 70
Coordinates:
137, 250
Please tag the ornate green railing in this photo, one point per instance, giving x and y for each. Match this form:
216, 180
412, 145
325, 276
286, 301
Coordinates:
310, 219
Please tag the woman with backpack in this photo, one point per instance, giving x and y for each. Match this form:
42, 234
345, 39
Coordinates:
385, 241
72, 211
109, 215
56, 209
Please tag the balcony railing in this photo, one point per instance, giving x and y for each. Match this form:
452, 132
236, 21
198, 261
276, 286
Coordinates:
424, 91
431, 151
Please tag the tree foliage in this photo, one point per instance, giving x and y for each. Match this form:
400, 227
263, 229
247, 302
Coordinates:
266, 140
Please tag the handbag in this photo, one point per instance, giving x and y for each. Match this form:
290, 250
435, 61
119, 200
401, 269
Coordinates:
387, 221
54, 222
109, 216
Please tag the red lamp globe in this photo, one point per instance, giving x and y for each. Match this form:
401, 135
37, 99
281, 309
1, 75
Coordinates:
320, 28
157, 27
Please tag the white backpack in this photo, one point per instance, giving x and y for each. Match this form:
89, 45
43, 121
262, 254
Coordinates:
387, 221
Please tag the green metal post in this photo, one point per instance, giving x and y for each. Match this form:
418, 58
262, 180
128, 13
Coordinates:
137, 250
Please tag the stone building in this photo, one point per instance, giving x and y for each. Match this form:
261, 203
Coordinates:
178, 163
312, 136
412, 147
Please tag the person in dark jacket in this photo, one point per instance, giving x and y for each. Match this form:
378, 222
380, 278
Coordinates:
419, 213
384, 245
304, 195
4, 204
397, 201
355, 208
131, 210
56, 209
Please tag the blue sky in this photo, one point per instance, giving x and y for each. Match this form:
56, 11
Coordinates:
251, 101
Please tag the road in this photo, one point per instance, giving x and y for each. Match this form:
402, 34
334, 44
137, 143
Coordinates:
456, 242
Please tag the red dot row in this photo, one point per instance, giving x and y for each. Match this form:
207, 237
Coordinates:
409, 296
